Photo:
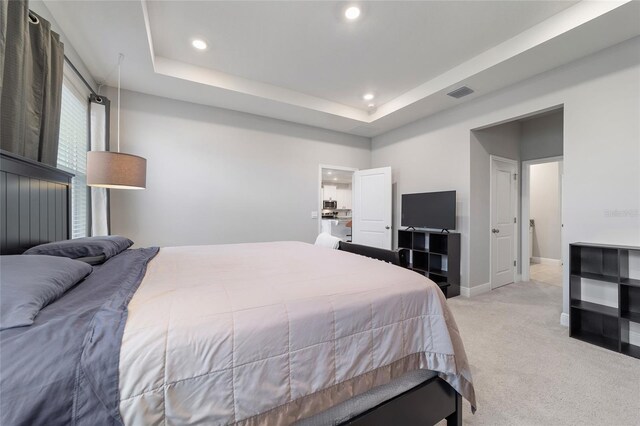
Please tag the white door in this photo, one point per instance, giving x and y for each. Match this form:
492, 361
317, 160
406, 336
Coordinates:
503, 221
372, 208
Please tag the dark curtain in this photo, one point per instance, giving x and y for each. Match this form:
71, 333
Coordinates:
31, 63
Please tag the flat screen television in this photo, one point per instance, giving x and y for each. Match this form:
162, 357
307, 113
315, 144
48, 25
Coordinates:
434, 210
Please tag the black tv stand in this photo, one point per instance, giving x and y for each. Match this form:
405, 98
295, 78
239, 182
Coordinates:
435, 255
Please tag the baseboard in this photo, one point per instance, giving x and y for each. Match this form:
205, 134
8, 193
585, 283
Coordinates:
564, 319
546, 261
475, 290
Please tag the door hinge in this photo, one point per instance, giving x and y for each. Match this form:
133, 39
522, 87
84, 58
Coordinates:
515, 176
515, 262
515, 220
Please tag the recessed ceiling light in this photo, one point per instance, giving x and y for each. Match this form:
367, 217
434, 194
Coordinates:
352, 13
199, 44
329, 172
335, 178
368, 97
371, 105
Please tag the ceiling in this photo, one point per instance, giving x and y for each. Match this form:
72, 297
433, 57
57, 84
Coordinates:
304, 62
330, 176
308, 47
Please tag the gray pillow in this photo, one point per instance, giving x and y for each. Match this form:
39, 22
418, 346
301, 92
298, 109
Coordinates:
91, 247
92, 260
30, 283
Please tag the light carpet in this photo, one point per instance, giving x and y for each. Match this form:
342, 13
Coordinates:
528, 371
548, 274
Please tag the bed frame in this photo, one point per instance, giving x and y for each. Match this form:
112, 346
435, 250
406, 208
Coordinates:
35, 208
426, 404
396, 257
35, 202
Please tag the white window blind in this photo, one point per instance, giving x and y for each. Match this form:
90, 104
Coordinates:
72, 151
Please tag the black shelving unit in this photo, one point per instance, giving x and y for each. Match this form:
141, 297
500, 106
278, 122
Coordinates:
435, 255
602, 325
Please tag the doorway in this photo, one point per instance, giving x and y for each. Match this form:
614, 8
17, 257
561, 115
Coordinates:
356, 205
534, 136
336, 201
542, 220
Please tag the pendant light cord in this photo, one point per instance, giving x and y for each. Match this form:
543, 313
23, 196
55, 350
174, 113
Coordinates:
120, 59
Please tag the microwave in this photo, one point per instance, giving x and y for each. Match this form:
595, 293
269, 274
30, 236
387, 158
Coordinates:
329, 204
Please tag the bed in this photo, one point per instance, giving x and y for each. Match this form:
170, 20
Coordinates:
247, 334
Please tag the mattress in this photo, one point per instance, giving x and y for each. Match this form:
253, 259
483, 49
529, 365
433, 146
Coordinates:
273, 333
359, 404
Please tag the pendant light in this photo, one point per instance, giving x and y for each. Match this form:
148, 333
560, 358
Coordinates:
116, 170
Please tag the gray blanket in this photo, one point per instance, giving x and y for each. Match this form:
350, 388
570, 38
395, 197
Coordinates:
63, 369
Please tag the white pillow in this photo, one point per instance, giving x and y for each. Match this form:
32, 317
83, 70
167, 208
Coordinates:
327, 240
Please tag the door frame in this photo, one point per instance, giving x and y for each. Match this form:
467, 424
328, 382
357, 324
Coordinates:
526, 214
320, 205
493, 158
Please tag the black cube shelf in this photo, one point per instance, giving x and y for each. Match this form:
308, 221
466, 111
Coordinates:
435, 255
602, 325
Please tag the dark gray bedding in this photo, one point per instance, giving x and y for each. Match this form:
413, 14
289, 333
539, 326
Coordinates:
30, 283
83, 248
63, 369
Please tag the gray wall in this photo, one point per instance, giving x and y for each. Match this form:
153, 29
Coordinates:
503, 141
217, 176
601, 194
532, 138
428, 156
544, 199
541, 137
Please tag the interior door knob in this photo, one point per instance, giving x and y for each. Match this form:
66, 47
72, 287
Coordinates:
495, 231
387, 227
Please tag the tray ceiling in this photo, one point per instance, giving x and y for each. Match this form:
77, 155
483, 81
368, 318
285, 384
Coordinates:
304, 62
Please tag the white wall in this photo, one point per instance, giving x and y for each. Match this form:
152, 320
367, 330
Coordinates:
601, 195
544, 199
217, 176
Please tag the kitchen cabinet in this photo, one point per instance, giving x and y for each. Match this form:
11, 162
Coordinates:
329, 192
344, 198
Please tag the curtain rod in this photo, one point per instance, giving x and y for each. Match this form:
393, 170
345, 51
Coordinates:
73, 67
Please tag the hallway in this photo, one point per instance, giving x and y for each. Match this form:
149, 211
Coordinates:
546, 273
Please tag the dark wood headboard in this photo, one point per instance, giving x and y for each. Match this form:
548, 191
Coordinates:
35, 203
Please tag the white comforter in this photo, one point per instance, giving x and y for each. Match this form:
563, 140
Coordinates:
273, 332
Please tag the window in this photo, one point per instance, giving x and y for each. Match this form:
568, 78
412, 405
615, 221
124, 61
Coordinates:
72, 149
